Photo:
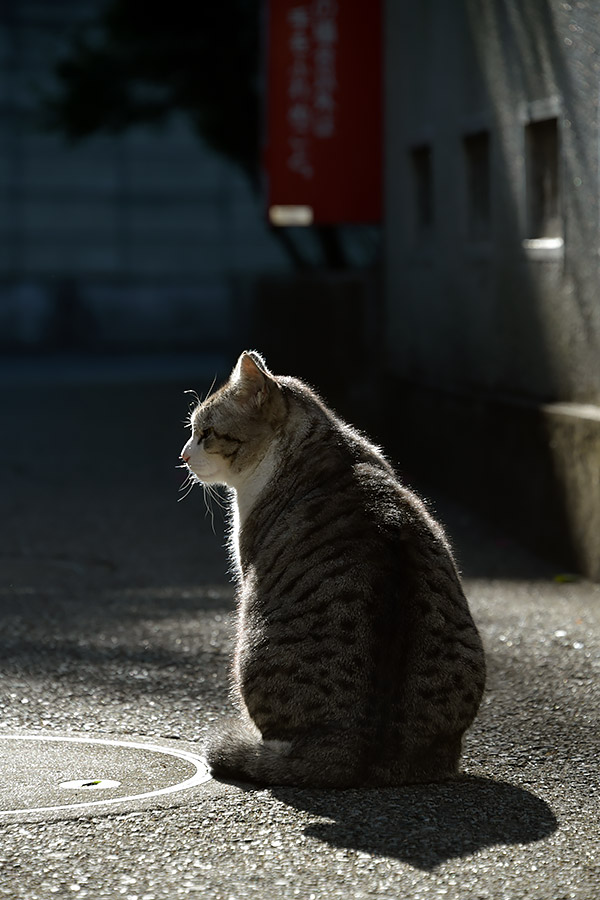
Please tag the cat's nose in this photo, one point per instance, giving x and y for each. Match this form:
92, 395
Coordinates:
185, 454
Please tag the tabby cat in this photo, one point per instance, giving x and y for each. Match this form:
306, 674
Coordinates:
357, 660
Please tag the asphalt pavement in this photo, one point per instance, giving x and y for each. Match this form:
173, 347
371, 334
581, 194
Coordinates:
115, 641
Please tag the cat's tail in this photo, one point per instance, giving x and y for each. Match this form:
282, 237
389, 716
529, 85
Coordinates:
236, 750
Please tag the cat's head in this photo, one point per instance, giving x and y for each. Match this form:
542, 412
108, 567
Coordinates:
233, 429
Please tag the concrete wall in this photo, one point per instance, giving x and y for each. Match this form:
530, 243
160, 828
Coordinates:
507, 311
492, 192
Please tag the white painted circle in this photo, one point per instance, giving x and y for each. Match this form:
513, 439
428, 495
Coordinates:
200, 776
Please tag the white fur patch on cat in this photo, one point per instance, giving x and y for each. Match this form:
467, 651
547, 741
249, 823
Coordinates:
252, 486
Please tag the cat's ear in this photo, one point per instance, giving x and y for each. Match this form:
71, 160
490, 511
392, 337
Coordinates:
252, 378
250, 359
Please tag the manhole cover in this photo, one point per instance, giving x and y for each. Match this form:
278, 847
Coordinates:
48, 774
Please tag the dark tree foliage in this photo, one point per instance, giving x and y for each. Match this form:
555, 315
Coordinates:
143, 60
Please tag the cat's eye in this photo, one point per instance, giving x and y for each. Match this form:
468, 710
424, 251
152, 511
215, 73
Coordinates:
203, 435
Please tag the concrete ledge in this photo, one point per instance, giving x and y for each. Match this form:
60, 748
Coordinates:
532, 468
573, 432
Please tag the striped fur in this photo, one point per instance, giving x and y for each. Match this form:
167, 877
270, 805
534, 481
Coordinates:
357, 660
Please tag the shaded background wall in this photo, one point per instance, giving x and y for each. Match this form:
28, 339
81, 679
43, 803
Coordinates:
493, 211
493, 311
128, 240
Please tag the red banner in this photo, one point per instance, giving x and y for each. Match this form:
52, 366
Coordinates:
323, 157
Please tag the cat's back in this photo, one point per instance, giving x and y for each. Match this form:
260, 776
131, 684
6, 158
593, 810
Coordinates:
334, 501
327, 504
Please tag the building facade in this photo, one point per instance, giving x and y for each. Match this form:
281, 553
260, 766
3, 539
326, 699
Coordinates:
492, 256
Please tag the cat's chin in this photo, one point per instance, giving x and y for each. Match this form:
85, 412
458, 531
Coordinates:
211, 482
207, 478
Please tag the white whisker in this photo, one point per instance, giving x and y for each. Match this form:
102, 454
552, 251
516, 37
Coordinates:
210, 390
216, 496
186, 482
211, 494
209, 509
187, 485
193, 405
190, 488
194, 395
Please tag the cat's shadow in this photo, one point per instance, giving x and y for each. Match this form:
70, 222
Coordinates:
425, 825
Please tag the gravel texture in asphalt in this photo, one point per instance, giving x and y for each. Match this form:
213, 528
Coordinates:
115, 622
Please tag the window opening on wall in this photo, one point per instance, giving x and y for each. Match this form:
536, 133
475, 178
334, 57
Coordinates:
478, 184
422, 174
542, 179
